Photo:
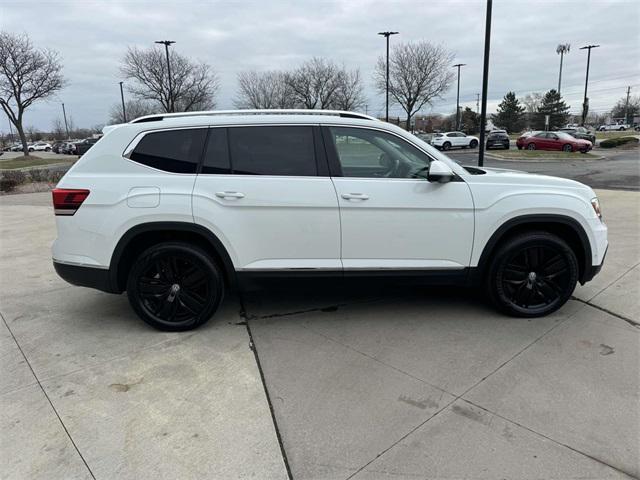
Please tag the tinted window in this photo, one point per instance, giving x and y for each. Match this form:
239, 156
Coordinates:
176, 151
368, 153
272, 151
216, 157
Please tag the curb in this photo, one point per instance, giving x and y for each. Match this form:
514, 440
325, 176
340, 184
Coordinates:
545, 159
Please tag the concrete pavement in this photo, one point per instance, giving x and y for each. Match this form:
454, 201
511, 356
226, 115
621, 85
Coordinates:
88, 391
364, 383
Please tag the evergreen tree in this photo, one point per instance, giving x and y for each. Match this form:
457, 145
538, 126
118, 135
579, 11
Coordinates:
552, 105
510, 114
470, 121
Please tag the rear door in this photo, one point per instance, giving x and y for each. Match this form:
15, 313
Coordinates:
553, 142
264, 190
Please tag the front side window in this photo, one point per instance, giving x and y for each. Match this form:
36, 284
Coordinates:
176, 151
374, 154
272, 150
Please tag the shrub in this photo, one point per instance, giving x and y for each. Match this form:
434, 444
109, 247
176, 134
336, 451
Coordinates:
617, 141
38, 175
10, 179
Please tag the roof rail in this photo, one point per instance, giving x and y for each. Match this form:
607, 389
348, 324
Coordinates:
294, 111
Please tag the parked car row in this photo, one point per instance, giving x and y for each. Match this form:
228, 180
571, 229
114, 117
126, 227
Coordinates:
68, 147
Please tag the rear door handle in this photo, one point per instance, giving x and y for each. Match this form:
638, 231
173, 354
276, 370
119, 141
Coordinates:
229, 195
355, 196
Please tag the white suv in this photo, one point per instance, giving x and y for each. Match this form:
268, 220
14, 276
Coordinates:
177, 208
448, 140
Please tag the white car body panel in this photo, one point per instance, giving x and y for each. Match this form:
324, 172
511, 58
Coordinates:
288, 223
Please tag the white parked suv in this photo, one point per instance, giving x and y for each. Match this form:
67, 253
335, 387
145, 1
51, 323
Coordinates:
175, 209
40, 147
448, 140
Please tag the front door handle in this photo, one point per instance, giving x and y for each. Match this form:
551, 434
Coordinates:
229, 195
355, 196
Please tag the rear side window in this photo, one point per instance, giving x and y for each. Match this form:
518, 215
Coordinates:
176, 151
287, 150
216, 158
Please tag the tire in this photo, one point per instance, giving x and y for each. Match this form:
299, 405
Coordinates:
621, 129
47, 149
567, 148
531, 146
30, 149
175, 286
473, 144
533, 274
507, 147
446, 146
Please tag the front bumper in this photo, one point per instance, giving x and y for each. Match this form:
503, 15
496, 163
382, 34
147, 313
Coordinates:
593, 270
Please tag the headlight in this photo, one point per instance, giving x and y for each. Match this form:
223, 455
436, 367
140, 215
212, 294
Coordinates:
596, 207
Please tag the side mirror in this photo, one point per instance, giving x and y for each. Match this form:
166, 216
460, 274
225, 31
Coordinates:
439, 172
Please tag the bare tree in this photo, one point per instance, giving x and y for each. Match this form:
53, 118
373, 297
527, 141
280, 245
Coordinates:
33, 133
57, 129
314, 83
193, 85
350, 92
418, 74
26, 76
263, 90
134, 109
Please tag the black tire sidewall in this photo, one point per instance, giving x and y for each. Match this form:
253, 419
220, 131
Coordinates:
503, 254
195, 254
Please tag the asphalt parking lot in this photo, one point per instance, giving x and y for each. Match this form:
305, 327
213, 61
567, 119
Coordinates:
360, 383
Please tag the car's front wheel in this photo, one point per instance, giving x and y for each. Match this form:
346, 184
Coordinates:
531, 146
567, 148
175, 286
532, 274
446, 146
473, 144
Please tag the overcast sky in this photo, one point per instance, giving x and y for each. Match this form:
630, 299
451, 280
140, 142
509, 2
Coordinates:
93, 36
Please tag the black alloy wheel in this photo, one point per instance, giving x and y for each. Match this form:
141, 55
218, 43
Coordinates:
473, 144
175, 286
533, 275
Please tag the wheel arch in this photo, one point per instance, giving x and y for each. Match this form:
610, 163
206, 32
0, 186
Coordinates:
565, 227
143, 236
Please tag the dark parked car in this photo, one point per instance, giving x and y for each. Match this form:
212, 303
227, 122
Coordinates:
83, 146
56, 146
553, 141
581, 133
498, 139
68, 148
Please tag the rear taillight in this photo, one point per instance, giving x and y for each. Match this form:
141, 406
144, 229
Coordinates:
66, 201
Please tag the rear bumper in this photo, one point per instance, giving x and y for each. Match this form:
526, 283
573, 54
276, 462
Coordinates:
84, 276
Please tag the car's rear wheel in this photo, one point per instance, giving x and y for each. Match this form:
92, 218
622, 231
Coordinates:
567, 148
47, 149
473, 144
175, 286
531, 146
446, 146
532, 274
621, 129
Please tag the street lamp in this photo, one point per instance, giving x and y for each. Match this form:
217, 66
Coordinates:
485, 81
66, 126
124, 111
561, 50
166, 44
585, 103
458, 97
387, 35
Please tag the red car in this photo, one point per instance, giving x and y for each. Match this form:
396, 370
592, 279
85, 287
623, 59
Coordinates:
553, 141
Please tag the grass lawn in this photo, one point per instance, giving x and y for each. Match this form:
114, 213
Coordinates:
605, 135
30, 161
539, 154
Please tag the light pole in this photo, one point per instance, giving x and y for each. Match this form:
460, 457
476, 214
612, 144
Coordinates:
66, 126
585, 103
387, 35
485, 81
124, 111
458, 97
166, 44
561, 50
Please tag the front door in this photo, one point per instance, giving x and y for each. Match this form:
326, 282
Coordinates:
391, 216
